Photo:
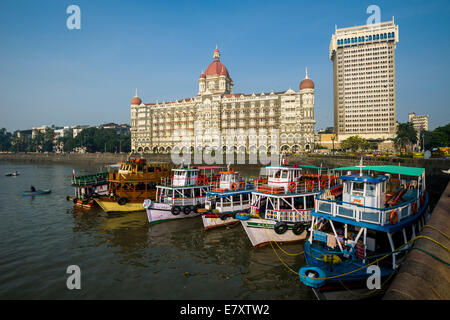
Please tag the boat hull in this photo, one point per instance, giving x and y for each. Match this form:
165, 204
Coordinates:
261, 232
216, 222
160, 212
109, 206
35, 193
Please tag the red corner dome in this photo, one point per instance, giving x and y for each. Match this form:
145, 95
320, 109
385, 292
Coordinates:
136, 100
202, 76
306, 84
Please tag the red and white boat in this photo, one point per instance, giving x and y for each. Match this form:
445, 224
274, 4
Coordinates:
280, 208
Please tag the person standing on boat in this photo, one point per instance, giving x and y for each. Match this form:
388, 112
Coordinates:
33, 189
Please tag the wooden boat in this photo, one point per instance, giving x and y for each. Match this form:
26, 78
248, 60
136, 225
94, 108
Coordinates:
185, 193
280, 207
87, 187
228, 197
134, 182
12, 174
352, 230
35, 193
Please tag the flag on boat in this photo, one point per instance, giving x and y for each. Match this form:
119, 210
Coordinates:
73, 173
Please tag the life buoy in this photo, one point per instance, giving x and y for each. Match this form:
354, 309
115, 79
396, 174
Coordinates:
241, 185
310, 185
332, 181
323, 183
414, 207
233, 186
206, 180
198, 181
393, 217
292, 186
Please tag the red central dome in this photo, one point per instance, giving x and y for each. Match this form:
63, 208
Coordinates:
217, 68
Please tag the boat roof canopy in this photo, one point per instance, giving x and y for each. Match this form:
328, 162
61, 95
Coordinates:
407, 171
209, 167
311, 167
358, 178
282, 168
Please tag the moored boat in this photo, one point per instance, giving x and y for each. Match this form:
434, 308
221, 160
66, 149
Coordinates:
228, 197
36, 193
87, 187
279, 210
371, 222
134, 182
13, 174
181, 197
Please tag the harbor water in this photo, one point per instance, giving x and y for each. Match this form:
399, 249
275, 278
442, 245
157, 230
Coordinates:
121, 256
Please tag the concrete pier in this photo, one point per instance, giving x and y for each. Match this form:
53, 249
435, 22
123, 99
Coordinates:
422, 277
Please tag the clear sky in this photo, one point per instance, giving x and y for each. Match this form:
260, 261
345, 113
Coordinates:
52, 75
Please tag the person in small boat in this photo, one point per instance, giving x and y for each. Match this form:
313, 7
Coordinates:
33, 189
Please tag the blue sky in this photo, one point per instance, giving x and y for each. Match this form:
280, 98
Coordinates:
52, 75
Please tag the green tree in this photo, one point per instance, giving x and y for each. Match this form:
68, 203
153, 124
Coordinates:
5, 139
439, 137
406, 135
353, 143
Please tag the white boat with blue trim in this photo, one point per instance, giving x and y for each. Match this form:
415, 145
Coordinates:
182, 196
229, 197
371, 219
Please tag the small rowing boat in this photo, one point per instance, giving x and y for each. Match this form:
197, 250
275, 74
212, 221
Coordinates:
35, 193
12, 174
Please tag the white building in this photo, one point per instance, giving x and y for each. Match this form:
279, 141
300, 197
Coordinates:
420, 122
364, 80
232, 121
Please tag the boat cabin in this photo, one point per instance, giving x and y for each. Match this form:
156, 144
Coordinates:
185, 177
229, 180
282, 176
140, 166
364, 190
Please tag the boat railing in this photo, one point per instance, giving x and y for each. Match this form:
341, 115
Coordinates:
288, 215
91, 179
360, 213
289, 188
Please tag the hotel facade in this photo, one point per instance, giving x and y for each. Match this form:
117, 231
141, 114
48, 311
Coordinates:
364, 80
218, 118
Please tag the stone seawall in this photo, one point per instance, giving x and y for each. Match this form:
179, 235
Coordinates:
422, 277
87, 158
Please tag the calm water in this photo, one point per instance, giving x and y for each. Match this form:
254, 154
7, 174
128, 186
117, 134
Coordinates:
121, 256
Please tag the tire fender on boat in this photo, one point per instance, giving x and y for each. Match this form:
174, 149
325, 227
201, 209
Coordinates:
298, 228
175, 210
122, 201
280, 227
187, 210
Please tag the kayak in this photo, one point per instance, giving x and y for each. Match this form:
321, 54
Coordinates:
37, 192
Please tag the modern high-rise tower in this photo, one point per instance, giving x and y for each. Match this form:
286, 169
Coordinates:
364, 80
